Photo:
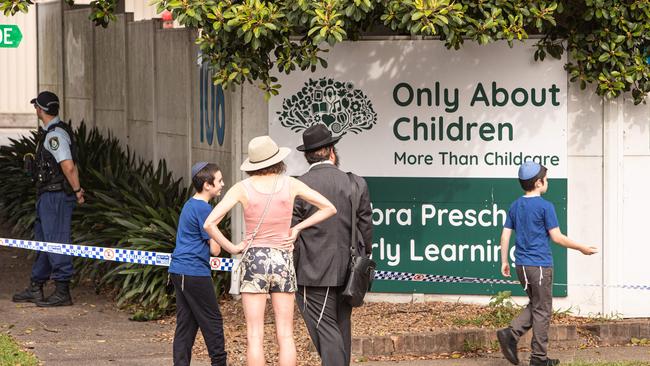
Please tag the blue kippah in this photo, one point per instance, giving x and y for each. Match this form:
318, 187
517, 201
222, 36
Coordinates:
197, 167
529, 170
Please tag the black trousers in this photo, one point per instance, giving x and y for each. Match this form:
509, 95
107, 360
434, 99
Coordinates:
332, 335
197, 307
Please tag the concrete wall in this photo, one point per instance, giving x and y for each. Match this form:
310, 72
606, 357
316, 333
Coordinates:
50, 43
78, 66
134, 80
141, 88
174, 98
205, 145
110, 102
250, 119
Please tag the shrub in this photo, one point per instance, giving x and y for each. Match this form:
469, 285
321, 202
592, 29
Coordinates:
130, 203
500, 312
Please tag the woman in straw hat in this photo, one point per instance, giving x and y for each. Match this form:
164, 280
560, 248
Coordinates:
267, 197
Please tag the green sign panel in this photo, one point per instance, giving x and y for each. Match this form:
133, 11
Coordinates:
10, 36
451, 226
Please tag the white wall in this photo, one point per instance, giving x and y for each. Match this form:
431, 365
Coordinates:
18, 79
585, 200
630, 251
141, 9
19, 66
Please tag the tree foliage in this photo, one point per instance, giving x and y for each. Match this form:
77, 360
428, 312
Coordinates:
608, 41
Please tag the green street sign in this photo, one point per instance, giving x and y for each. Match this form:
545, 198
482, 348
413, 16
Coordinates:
10, 36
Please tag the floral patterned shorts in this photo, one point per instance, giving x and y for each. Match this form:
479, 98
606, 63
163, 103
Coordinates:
268, 270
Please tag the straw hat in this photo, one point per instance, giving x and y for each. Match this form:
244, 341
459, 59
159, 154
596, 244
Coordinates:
262, 153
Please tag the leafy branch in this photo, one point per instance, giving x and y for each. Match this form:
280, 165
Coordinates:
607, 41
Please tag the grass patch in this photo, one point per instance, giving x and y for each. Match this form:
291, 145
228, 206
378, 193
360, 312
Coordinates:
11, 354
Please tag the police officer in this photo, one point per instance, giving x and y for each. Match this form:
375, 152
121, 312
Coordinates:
54, 171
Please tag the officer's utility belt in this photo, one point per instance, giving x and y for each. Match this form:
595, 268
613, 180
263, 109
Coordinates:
52, 187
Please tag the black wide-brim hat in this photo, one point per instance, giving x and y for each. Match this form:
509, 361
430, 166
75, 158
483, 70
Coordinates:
317, 136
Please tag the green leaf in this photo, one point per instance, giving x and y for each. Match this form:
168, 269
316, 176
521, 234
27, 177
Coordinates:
313, 30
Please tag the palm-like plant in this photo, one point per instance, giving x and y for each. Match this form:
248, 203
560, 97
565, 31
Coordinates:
130, 204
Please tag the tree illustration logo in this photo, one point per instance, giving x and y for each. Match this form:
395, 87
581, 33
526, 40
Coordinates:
337, 105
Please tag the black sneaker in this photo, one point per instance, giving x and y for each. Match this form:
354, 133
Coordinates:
546, 362
508, 345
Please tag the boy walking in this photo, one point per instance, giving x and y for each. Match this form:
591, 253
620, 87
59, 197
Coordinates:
534, 221
196, 301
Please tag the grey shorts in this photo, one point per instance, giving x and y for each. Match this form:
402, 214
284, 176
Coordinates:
266, 270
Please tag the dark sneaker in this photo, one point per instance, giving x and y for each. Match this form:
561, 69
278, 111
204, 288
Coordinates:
33, 293
508, 345
546, 362
60, 297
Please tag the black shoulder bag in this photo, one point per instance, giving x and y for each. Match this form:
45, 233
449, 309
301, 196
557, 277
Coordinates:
362, 269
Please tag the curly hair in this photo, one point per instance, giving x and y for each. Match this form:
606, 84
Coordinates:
277, 168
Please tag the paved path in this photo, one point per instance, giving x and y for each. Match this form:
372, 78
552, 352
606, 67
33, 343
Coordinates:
623, 353
92, 332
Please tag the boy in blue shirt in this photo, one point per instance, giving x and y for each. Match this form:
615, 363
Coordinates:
196, 301
534, 221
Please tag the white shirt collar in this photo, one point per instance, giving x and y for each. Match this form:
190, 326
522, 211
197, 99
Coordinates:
321, 163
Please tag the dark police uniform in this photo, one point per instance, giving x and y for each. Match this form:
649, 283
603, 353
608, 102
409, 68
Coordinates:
54, 206
55, 202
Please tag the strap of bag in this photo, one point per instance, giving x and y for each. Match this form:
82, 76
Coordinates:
266, 209
354, 198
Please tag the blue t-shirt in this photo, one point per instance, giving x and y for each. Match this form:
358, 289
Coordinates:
531, 218
192, 253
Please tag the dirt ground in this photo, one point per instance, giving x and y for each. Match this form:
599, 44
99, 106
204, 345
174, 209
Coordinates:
369, 320
95, 330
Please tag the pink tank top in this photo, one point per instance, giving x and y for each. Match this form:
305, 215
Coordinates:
277, 222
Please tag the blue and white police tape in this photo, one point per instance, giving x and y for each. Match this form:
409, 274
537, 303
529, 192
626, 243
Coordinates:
418, 277
111, 254
227, 264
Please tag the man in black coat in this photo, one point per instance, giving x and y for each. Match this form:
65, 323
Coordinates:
322, 252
